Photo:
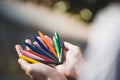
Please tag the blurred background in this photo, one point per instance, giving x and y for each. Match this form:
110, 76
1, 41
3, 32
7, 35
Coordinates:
19, 19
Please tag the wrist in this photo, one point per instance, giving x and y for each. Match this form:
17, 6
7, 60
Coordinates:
79, 68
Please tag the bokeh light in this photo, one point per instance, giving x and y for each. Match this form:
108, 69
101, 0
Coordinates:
86, 14
62, 6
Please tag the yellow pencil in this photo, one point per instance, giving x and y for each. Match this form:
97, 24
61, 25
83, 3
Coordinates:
29, 59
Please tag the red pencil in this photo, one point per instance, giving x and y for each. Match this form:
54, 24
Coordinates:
41, 56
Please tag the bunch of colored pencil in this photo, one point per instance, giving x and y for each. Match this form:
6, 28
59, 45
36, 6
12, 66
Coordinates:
44, 51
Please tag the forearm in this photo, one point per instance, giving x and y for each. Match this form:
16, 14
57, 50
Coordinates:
80, 69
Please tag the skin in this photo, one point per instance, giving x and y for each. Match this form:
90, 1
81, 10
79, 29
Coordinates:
61, 72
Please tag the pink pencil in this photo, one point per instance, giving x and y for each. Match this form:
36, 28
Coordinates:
30, 55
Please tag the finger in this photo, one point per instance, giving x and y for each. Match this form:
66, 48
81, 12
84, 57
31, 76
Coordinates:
28, 41
36, 71
73, 51
69, 45
18, 49
49, 39
42, 69
24, 65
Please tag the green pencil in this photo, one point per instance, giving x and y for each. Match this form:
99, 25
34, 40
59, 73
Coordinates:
57, 48
58, 40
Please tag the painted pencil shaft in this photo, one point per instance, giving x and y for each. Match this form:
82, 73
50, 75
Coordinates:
57, 49
45, 52
28, 54
58, 40
36, 50
48, 44
39, 55
42, 45
48, 62
29, 59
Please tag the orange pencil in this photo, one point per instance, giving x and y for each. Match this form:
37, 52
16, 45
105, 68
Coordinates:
48, 44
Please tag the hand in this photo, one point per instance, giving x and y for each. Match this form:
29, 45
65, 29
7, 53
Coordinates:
43, 72
38, 71
73, 63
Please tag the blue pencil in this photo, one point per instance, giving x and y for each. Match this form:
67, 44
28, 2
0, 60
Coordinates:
37, 50
42, 45
37, 47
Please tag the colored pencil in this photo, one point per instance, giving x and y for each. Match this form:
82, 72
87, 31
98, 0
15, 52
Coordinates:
57, 48
29, 59
48, 44
34, 49
38, 50
48, 62
44, 52
42, 45
30, 55
62, 57
58, 40
39, 55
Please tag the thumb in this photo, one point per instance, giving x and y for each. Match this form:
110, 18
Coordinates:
74, 52
69, 45
24, 65
18, 48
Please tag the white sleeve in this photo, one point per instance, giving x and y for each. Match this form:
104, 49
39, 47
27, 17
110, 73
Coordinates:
104, 44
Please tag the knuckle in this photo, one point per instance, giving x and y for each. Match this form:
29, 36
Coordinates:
69, 73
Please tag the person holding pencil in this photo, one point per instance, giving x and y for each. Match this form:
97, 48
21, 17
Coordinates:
103, 53
40, 71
